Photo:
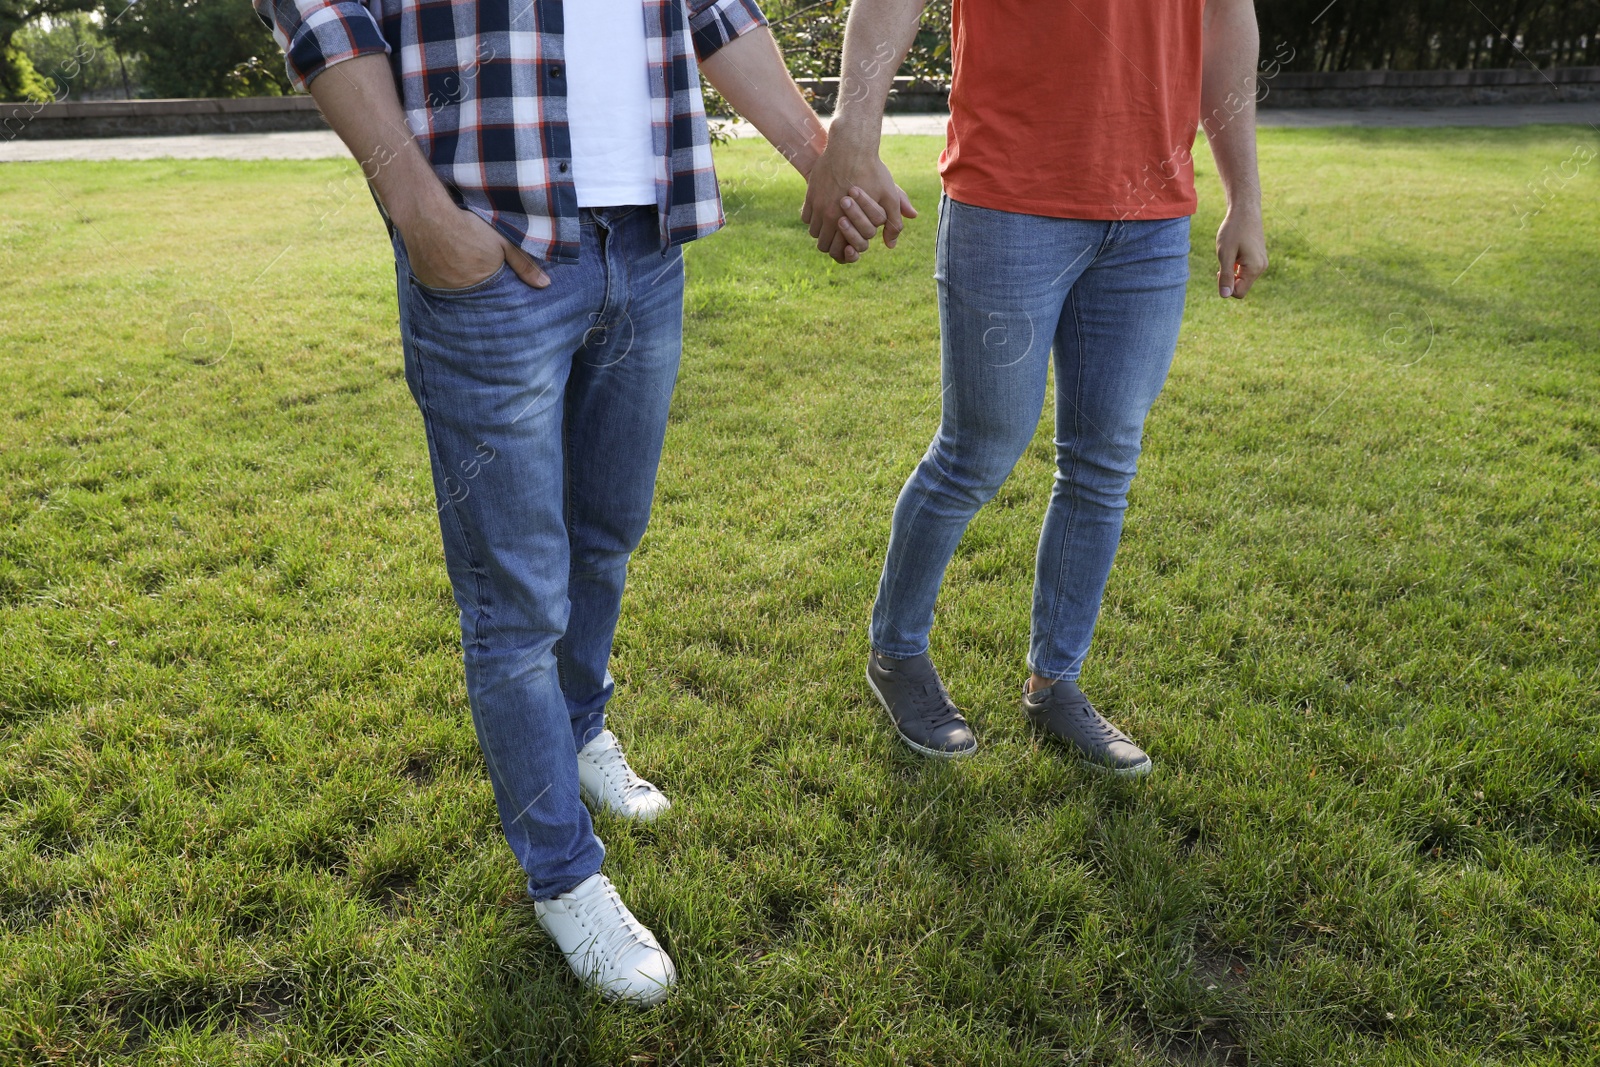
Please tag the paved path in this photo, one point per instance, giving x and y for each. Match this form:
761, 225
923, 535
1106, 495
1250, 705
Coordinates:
322, 144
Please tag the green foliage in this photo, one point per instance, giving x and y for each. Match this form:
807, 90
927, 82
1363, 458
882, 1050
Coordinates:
243, 819
810, 34
1430, 34
76, 57
18, 78
201, 48
258, 76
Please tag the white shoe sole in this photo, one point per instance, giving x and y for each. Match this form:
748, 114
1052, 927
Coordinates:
1138, 770
648, 998
596, 805
935, 753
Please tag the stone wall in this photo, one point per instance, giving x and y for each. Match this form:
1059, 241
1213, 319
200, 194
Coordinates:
1358, 88
1365, 88
1430, 88
143, 118
908, 96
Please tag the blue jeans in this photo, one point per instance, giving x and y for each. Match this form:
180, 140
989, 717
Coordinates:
545, 411
1107, 298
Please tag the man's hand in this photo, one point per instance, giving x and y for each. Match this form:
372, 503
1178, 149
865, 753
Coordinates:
449, 247
452, 248
750, 74
1241, 253
849, 195
1231, 44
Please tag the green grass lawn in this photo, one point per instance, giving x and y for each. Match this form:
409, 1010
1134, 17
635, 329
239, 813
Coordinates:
242, 813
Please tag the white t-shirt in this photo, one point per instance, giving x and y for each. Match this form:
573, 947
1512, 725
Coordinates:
608, 103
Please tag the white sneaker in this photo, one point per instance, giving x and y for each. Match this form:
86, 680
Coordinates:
607, 947
608, 782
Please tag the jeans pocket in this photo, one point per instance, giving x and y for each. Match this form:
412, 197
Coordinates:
467, 290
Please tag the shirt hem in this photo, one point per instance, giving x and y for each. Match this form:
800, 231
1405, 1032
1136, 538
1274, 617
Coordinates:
1151, 212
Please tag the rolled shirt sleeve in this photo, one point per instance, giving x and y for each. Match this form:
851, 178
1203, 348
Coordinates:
713, 23
316, 34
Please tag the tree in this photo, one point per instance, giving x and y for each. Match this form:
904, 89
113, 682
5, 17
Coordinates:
811, 35
1342, 35
199, 48
1431, 34
18, 79
74, 57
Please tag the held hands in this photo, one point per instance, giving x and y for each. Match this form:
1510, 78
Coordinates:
849, 195
452, 248
1241, 252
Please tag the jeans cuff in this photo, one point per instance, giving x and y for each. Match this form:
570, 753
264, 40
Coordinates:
587, 728
549, 887
1055, 676
888, 651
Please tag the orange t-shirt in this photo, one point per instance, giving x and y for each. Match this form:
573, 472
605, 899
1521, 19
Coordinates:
1079, 109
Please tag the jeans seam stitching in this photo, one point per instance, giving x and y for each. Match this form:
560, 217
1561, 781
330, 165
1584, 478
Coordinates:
566, 523
891, 580
480, 600
1072, 514
466, 290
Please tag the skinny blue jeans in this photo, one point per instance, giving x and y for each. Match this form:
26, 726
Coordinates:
545, 411
1107, 299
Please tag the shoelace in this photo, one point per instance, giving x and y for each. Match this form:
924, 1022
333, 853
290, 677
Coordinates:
1099, 726
931, 697
618, 931
613, 764
1095, 726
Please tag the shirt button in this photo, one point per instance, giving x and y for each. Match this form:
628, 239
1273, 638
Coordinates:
562, 168
555, 72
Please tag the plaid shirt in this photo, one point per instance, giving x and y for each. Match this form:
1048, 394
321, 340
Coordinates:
483, 86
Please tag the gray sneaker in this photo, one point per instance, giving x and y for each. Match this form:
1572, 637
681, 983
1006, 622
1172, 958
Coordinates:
922, 712
1062, 711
